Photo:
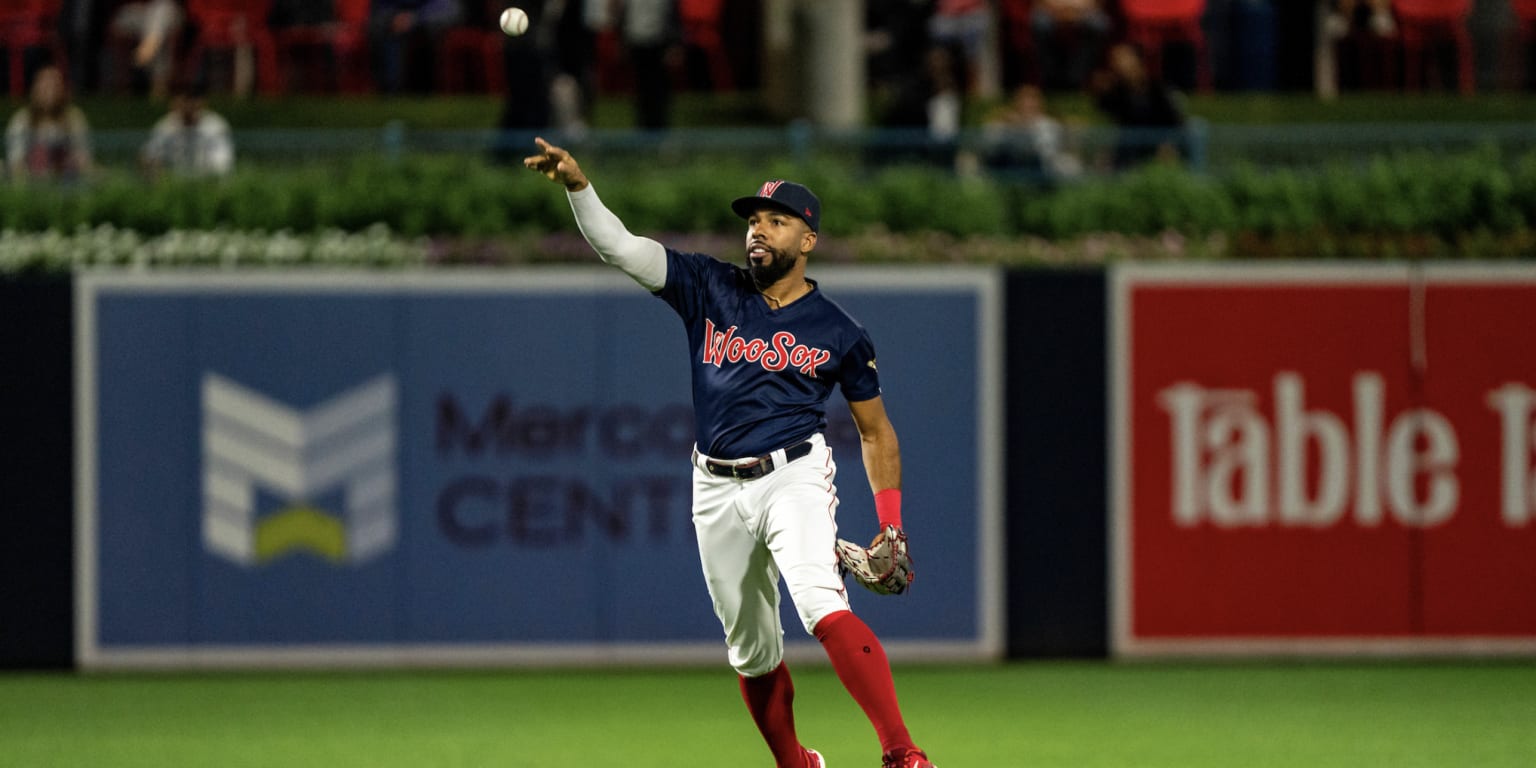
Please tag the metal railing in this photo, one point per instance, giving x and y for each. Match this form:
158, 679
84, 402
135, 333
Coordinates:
1204, 146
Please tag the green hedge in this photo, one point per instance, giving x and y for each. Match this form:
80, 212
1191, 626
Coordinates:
1412, 203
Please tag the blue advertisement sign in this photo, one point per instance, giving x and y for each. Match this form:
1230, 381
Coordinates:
353, 467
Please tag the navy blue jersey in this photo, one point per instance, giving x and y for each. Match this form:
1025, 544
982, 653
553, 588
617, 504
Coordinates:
761, 376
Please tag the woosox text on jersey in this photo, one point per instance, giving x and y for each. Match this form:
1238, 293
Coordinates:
1233, 465
773, 355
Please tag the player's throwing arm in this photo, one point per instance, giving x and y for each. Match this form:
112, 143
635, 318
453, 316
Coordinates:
643, 259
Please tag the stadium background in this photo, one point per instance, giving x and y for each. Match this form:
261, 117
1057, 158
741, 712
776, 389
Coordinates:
1260, 117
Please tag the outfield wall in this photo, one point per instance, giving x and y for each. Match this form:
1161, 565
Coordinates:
1324, 459
476, 467
1321, 459
1056, 487
36, 473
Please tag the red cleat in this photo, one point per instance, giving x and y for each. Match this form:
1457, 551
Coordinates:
912, 759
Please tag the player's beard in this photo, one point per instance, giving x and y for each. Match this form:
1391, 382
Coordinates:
770, 270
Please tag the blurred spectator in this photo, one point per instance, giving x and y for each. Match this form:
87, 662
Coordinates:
1147, 111
409, 31
963, 26
946, 94
1351, 44
48, 138
191, 141
1352, 15
1022, 142
548, 72
929, 105
233, 39
1069, 37
898, 82
530, 65
573, 89
1241, 38
651, 36
151, 27
893, 29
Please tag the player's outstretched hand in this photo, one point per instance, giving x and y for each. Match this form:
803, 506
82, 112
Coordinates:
557, 165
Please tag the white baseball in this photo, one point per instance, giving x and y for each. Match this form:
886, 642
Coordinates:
514, 21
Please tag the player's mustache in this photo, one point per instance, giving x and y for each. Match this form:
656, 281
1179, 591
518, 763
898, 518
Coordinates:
777, 254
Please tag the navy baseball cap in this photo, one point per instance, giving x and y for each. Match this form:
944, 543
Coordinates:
784, 195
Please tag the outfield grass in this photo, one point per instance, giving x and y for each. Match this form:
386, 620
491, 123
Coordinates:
1073, 715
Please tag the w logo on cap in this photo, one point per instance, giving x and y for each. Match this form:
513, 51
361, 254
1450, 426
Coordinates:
783, 195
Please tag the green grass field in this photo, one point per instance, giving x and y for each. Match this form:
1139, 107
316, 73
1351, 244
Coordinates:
1072, 715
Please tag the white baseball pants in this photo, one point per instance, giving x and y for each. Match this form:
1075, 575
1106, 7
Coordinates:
751, 532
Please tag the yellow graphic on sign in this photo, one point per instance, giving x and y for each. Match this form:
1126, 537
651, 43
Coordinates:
301, 527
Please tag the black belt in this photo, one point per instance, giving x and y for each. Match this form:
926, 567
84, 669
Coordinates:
762, 465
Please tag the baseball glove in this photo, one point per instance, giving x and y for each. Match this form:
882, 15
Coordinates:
884, 568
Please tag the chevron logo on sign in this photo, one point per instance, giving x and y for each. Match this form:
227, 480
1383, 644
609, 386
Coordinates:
345, 445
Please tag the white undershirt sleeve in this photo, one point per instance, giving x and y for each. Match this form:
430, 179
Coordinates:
641, 258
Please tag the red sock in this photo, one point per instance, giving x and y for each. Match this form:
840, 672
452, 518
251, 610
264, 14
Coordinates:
770, 698
859, 661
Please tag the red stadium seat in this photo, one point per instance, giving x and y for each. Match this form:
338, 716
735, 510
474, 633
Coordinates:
25, 25
228, 25
1018, 37
1525, 31
1423, 22
478, 44
1525, 11
345, 39
1153, 24
702, 30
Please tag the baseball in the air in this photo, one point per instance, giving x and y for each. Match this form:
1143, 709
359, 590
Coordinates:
514, 21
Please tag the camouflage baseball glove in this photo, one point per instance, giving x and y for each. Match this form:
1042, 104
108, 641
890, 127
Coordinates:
884, 568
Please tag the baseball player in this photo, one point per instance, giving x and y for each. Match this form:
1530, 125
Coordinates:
767, 349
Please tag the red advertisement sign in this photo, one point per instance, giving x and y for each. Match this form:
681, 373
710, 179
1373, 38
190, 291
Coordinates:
1324, 459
